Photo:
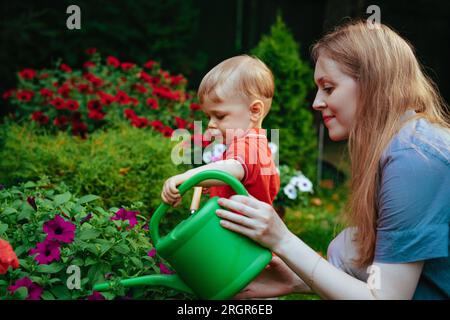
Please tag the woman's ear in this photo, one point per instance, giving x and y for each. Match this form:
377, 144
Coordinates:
257, 110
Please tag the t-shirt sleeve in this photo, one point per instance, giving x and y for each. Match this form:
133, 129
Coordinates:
414, 205
241, 151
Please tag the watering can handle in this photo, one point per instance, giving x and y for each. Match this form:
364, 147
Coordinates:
188, 184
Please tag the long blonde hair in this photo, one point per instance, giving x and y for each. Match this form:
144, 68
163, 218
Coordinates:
390, 81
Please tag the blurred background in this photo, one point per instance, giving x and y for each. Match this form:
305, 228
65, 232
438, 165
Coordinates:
191, 36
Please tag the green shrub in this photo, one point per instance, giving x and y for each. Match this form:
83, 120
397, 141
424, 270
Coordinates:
289, 112
101, 247
122, 165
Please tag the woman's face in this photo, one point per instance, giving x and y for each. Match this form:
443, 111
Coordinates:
336, 98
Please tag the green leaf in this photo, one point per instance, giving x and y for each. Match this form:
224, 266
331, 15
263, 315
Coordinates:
3, 283
21, 293
29, 184
46, 295
90, 261
87, 198
9, 211
121, 248
50, 268
62, 198
61, 292
137, 262
88, 234
26, 213
3, 228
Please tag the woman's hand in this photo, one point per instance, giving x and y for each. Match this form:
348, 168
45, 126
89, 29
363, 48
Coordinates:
275, 280
257, 220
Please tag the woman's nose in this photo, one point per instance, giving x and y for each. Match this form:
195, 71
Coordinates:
318, 103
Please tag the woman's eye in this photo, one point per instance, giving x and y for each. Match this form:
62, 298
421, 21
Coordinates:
328, 89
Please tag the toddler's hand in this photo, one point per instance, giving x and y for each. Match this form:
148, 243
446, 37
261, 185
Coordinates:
170, 193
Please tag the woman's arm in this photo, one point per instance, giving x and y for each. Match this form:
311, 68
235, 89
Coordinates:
261, 223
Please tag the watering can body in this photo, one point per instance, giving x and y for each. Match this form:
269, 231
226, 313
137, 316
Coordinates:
211, 261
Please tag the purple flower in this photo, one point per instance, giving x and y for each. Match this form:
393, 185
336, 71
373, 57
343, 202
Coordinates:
86, 218
96, 296
60, 230
32, 203
164, 270
152, 253
47, 251
34, 290
145, 227
123, 215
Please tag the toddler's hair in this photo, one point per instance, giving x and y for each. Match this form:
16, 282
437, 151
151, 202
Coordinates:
241, 75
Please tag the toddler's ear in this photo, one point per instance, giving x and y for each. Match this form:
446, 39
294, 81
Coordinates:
257, 110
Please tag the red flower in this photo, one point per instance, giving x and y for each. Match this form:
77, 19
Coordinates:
58, 103
44, 76
91, 51
149, 79
122, 97
105, 98
129, 113
167, 131
46, 92
7, 257
94, 105
157, 125
165, 74
181, 123
140, 88
8, 94
24, 95
27, 74
113, 61
139, 122
79, 128
152, 103
61, 121
195, 107
88, 64
149, 64
64, 67
40, 117
166, 93
97, 82
64, 90
72, 105
127, 66
176, 80
84, 88
96, 115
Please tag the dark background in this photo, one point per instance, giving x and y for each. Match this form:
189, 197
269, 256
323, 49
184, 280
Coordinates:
191, 36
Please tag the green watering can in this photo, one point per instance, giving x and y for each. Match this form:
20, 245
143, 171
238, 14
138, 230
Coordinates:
211, 261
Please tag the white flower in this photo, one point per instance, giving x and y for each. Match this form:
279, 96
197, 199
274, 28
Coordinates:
273, 148
302, 183
290, 191
207, 155
218, 150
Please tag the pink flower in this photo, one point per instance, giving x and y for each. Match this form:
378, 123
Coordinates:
59, 229
34, 290
123, 215
164, 269
96, 296
152, 253
47, 251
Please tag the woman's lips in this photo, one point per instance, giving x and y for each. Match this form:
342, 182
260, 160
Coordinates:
327, 119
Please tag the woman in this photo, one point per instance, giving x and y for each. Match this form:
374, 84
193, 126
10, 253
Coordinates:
371, 91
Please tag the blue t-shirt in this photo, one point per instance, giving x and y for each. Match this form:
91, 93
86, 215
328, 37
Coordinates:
414, 205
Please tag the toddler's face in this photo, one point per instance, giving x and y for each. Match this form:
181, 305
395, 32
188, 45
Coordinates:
231, 114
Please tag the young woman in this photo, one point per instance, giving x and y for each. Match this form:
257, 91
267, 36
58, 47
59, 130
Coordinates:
371, 91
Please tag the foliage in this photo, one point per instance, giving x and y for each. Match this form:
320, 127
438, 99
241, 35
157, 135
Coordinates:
102, 246
289, 111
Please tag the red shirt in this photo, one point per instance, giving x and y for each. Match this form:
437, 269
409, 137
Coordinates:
261, 178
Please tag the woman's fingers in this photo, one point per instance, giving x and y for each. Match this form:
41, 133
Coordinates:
239, 206
236, 218
237, 228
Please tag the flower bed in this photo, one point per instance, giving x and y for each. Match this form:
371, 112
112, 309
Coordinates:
51, 233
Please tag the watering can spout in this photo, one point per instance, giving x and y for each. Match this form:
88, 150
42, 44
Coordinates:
171, 281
